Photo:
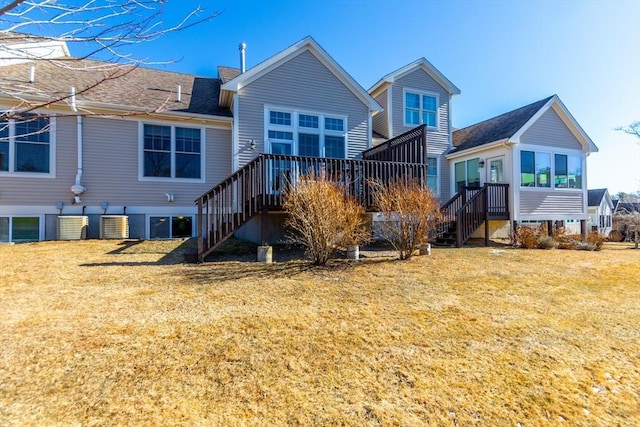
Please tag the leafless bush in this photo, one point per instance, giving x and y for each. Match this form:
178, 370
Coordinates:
321, 218
616, 236
631, 223
596, 239
546, 242
411, 211
528, 237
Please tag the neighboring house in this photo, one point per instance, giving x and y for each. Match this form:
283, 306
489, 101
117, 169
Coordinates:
149, 143
600, 211
625, 208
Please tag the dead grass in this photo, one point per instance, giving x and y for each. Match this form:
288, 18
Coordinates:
103, 332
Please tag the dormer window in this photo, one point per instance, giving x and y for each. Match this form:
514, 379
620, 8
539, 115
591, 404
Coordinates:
420, 108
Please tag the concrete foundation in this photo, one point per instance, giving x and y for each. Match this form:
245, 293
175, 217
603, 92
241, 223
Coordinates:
265, 254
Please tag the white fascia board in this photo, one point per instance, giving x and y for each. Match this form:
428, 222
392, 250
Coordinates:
308, 43
427, 67
478, 149
567, 119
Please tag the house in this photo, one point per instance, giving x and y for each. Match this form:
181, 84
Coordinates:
600, 208
141, 146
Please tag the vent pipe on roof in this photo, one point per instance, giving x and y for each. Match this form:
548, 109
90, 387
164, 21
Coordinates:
243, 48
179, 94
32, 74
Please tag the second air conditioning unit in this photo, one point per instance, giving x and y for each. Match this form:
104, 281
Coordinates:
72, 227
114, 227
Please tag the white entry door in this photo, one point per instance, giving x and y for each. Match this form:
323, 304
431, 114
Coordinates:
495, 170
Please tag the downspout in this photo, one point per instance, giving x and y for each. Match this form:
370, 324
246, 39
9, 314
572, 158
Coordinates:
77, 189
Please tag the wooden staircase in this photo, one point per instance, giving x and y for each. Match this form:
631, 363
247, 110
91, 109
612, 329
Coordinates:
465, 212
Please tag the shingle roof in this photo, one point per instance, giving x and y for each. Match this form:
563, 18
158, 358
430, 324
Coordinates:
495, 129
140, 88
627, 207
227, 73
595, 196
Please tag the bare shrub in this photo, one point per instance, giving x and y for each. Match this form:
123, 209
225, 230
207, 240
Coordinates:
616, 236
528, 237
411, 211
596, 239
586, 246
322, 218
546, 242
564, 240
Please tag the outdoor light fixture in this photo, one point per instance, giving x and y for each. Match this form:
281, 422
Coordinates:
481, 163
252, 144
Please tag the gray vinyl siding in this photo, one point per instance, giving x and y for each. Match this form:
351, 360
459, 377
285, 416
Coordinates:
437, 140
23, 190
111, 156
550, 131
551, 203
302, 83
380, 120
110, 169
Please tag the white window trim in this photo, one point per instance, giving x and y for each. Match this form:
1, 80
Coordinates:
52, 153
170, 216
421, 93
40, 225
296, 129
552, 153
203, 144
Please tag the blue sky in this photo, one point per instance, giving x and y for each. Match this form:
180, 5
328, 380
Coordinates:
501, 54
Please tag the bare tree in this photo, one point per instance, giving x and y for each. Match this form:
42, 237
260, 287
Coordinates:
107, 30
632, 129
411, 211
631, 222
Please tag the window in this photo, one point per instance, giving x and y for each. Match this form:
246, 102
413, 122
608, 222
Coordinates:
26, 145
170, 227
432, 174
420, 108
467, 173
19, 229
172, 152
568, 171
535, 169
306, 134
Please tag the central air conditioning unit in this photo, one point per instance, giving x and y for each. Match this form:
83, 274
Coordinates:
72, 227
114, 227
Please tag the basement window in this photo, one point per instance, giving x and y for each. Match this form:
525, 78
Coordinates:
19, 229
170, 227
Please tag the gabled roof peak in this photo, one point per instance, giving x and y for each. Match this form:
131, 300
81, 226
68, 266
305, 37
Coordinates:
422, 63
306, 44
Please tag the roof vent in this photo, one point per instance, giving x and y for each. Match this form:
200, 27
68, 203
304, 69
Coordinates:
179, 93
32, 74
242, 47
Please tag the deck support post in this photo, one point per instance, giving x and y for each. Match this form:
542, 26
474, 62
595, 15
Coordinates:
583, 229
514, 228
200, 232
486, 214
264, 226
550, 228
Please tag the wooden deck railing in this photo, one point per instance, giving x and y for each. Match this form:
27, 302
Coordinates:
410, 147
471, 207
259, 186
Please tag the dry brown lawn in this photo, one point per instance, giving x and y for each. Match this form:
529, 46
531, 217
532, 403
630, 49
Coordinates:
121, 333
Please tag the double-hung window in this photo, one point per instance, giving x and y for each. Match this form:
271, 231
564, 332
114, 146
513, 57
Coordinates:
26, 145
172, 152
306, 133
420, 108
